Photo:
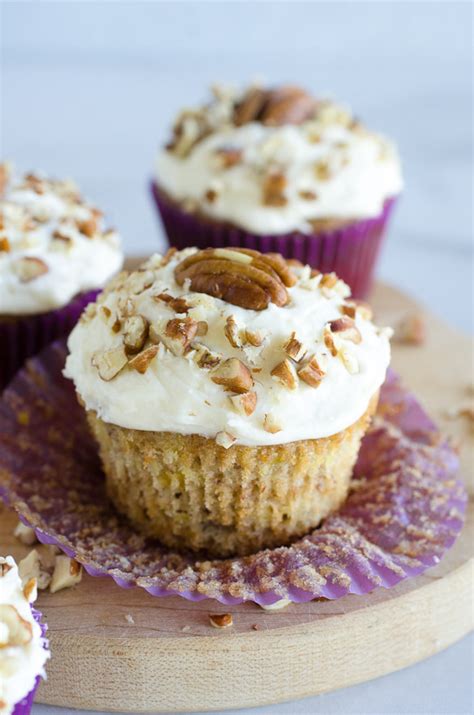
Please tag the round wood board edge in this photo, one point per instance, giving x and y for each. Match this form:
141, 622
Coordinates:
123, 650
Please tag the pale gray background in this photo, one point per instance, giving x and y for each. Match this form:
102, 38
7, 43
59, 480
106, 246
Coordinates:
88, 89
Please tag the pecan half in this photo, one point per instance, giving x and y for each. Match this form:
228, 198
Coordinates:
249, 109
233, 375
288, 105
241, 277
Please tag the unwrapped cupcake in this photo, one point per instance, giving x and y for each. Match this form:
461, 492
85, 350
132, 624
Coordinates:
23, 648
279, 170
228, 392
55, 253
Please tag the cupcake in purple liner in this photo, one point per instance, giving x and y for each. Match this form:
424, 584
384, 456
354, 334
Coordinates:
277, 170
55, 253
23, 648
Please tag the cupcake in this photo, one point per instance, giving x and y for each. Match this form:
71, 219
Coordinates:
279, 170
228, 392
54, 255
23, 649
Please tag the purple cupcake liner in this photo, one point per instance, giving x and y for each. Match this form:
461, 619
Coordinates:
22, 337
24, 706
350, 251
406, 507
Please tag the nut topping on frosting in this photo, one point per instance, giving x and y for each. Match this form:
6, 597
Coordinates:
233, 375
239, 276
311, 372
18, 631
221, 367
346, 328
110, 362
28, 268
141, 361
135, 333
275, 107
285, 374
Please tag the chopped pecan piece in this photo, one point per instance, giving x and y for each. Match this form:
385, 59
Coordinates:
330, 341
109, 362
211, 195
328, 280
4, 244
346, 328
220, 620
179, 305
311, 372
141, 361
18, 631
28, 268
67, 573
270, 424
254, 337
179, 334
229, 156
88, 227
349, 309
245, 403
201, 328
4, 176
294, 348
285, 374
30, 590
205, 359
135, 333
273, 190
225, 439
242, 277
411, 329
233, 375
322, 171
231, 332
308, 195
349, 360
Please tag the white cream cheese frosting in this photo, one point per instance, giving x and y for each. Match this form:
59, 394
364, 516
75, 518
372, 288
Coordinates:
175, 393
331, 168
23, 653
53, 244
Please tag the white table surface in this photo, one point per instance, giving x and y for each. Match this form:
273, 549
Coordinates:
88, 89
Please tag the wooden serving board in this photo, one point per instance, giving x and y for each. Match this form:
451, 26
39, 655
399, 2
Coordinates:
124, 650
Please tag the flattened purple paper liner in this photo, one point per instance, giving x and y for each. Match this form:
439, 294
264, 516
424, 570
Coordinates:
24, 706
351, 251
23, 337
405, 510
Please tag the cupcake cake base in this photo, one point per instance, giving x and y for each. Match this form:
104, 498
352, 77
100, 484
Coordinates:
405, 509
